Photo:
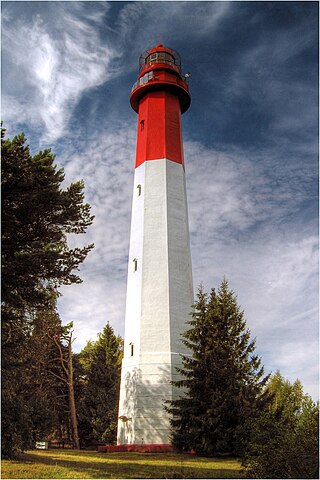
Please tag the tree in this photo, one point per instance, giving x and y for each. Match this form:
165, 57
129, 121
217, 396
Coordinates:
282, 440
62, 338
37, 215
48, 394
34, 401
100, 369
222, 379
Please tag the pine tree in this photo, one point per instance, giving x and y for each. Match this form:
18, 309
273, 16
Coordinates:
222, 380
37, 215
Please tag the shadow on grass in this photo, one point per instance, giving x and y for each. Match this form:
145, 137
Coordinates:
133, 466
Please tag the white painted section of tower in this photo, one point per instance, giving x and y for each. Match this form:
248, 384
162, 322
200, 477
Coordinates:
159, 299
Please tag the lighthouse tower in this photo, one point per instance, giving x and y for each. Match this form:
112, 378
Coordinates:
159, 286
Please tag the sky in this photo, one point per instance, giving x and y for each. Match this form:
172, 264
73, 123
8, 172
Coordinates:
250, 147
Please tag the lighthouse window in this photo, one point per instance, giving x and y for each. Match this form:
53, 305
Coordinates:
131, 349
161, 57
135, 264
139, 190
146, 78
142, 125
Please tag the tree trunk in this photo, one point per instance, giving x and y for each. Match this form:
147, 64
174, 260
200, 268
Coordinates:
67, 367
73, 411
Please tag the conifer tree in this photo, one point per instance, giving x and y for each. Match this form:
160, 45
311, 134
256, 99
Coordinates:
37, 216
222, 379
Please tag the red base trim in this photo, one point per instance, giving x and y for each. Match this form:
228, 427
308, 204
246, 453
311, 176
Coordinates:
145, 448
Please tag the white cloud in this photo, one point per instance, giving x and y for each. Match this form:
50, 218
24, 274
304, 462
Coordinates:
20, 110
299, 360
101, 298
58, 60
240, 191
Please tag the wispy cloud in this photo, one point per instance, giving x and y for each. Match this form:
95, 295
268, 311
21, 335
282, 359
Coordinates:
241, 190
58, 61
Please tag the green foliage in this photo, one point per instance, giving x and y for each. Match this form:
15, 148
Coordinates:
222, 380
37, 215
16, 425
282, 440
33, 400
99, 366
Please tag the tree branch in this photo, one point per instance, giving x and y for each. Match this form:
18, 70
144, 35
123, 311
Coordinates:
58, 376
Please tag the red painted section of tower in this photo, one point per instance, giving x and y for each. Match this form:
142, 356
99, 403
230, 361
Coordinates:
159, 128
159, 97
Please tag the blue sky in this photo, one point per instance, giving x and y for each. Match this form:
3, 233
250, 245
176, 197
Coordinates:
250, 142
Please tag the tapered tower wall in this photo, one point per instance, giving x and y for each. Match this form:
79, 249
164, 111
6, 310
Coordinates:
159, 286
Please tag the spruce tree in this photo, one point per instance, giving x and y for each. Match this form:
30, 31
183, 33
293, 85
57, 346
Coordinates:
222, 379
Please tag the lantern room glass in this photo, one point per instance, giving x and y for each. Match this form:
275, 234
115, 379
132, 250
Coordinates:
170, 57
160, 57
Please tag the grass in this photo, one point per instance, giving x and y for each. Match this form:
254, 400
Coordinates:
88, 464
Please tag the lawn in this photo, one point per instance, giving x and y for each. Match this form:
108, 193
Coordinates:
90, 464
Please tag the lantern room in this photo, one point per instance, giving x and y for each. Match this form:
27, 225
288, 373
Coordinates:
160, 70
160, 55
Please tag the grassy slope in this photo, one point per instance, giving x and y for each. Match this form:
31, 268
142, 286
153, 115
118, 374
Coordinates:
82, 464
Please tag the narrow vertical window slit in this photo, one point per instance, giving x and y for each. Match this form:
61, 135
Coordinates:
135, 264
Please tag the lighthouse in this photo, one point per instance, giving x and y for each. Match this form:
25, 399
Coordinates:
159, 285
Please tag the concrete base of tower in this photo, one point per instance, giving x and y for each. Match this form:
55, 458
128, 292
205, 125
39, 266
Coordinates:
141, 448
